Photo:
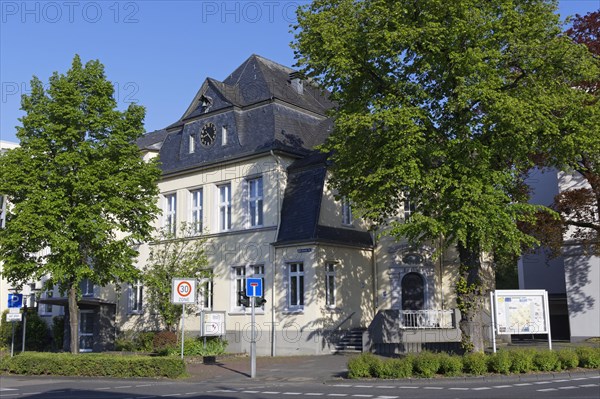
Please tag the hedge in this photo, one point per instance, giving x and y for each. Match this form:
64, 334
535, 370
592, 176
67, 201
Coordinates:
92, 365
427, 364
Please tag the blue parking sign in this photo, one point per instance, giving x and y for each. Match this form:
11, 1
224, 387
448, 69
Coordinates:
15, 300
254, 287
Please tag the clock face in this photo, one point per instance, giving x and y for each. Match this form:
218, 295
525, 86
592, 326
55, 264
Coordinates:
208, 135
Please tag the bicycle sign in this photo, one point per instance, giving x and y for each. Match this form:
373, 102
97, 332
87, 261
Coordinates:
183, 290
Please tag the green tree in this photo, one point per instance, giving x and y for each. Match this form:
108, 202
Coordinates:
80, 193
180, 255
444, 103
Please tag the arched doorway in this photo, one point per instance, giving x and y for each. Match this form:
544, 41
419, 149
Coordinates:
413, 292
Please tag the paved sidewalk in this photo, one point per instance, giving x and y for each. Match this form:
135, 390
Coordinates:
272, 369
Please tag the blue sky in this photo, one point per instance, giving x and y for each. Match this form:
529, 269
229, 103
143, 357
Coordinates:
156, 52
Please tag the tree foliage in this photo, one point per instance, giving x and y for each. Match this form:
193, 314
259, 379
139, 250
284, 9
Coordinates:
80, 194
578, 205
173, 256
444, 103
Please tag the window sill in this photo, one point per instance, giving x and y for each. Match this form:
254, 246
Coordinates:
293, 311
248, 312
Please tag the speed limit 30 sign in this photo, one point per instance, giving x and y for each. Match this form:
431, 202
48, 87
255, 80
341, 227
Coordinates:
183, 290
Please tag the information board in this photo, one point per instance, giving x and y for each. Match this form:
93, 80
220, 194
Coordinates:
212, 324
521, 311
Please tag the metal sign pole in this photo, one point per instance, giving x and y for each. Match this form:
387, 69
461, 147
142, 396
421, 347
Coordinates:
253, 341
182, 329
12, 342
493, 309
24, 328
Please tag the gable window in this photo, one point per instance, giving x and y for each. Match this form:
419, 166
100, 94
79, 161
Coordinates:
192, 143
224, 135
225, 207
196, 209
296, 286
170, 212
255, 202
135, 297
330, 284
346, 211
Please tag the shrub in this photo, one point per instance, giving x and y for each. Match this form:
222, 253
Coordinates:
58, 332
195, 347
37, 337
426, 364
164, 340
93, 365
546, 360
131, 341
588, 357
521, 361
567, 359
363, 366
500, 362
475, 363
398, 368
450, 365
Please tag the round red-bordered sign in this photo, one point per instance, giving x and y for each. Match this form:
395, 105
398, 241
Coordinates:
184, 289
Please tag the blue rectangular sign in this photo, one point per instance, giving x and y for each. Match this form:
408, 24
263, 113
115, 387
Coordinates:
15, 300
254, 287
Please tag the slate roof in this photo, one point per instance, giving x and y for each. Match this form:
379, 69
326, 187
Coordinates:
261, 109
302, 205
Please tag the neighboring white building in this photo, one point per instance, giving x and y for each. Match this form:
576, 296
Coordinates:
5, 288
573, 279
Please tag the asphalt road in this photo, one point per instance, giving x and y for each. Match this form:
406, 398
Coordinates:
568, 385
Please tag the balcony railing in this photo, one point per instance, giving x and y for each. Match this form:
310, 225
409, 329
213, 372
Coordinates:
427, 319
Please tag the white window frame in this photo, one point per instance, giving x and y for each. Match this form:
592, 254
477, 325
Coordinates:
224, 135
239, 275
3, 206
296, 284
330, 284
224, 202
170, 212
205, 294
192, 143
196, 210
409, 209
88, 288
46, 308
255, 202
136, 298
238, 282
346, 212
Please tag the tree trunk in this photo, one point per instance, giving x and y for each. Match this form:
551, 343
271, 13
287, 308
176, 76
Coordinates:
470, 297
74, 318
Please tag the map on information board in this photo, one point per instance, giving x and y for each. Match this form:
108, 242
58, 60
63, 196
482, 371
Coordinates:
521, 312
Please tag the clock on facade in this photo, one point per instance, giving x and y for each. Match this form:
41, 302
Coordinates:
208, 135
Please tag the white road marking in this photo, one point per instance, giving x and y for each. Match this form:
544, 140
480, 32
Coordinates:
385, 386
271, 393
337, 394
250, 391
363, 386
387, 397
544, 382
458, 389
314, 394
362, 396
523, 384
501, 386
481, 388
291, 393
433, 388
407, 387
546, 390
569, 387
